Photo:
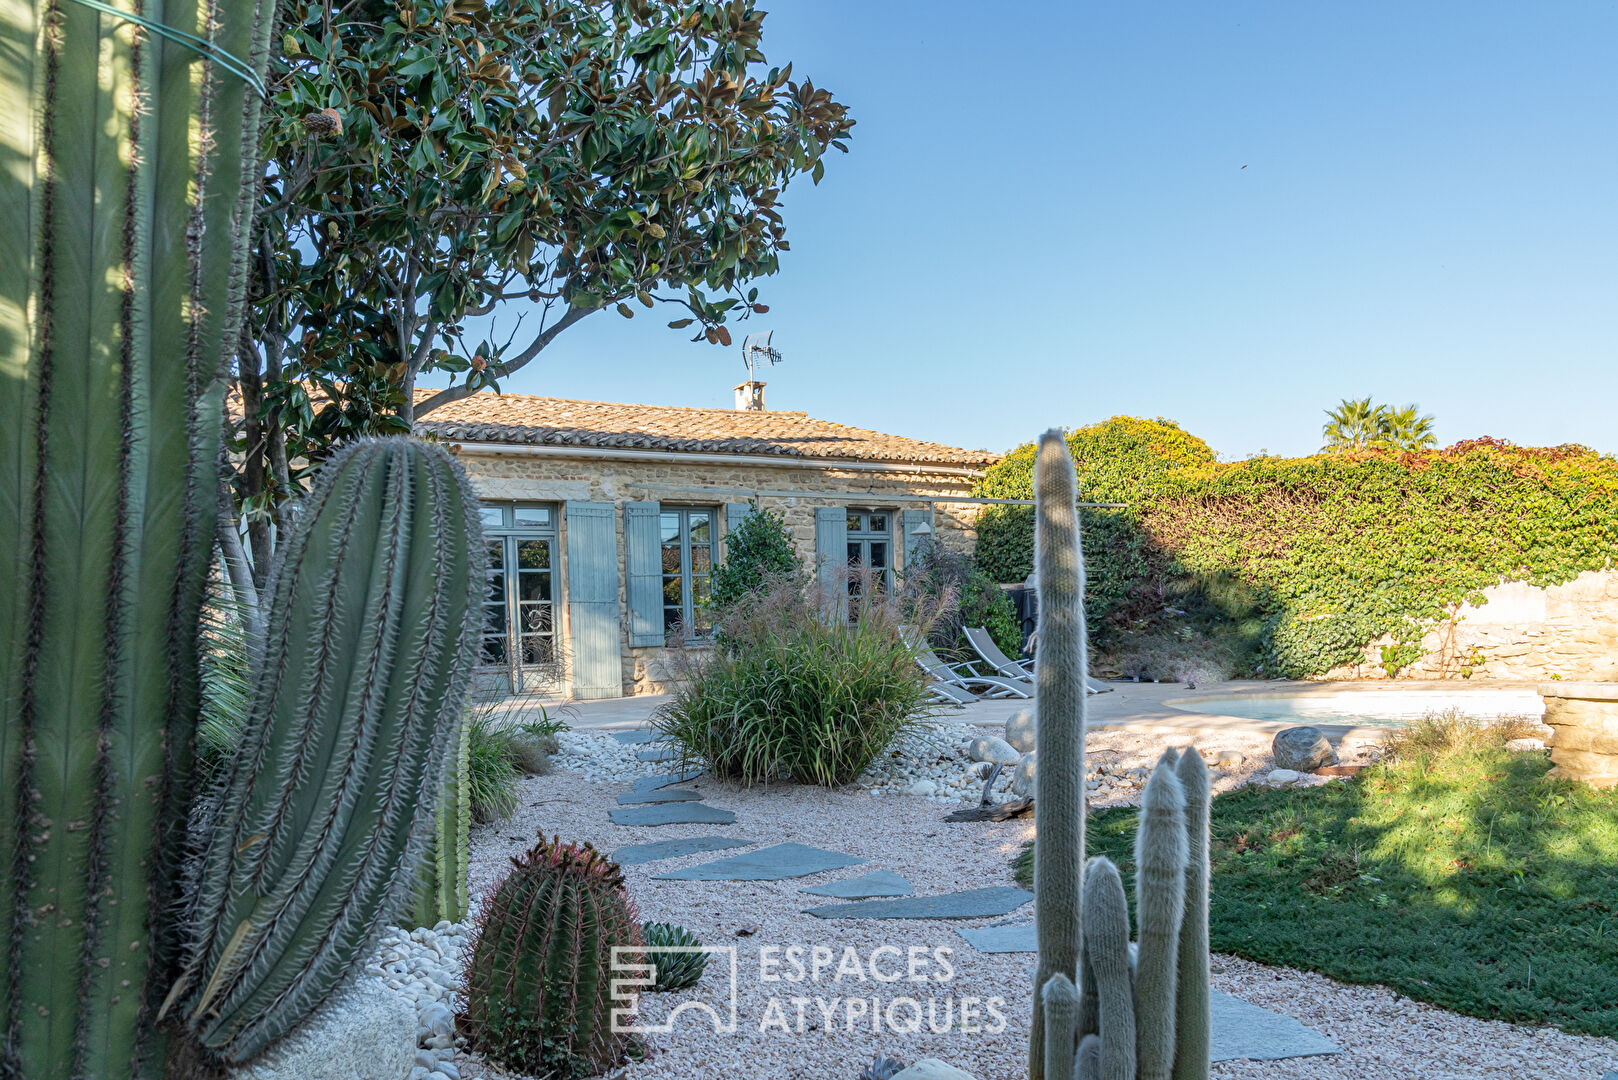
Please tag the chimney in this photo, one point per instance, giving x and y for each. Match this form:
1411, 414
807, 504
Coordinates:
749, 396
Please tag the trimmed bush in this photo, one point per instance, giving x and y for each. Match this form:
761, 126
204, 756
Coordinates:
798, 687
1294, 564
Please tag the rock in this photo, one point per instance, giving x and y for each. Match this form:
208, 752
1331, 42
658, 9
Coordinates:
922, 787
1523, 746
449, 1069
1283, 777
932, 1069
363, 1032
1022, 780
426, 1059
1230, 759
992, 749
1303, 749
1020, 731
437, 1019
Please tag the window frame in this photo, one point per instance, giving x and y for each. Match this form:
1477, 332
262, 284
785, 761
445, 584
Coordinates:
545, 675
690, 608
865, 535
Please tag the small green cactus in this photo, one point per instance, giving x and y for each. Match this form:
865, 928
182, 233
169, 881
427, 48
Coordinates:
441, 895
676, 969
539, 980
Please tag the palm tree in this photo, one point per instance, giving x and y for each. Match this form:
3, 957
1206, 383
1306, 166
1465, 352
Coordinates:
1353, 425
1406, 429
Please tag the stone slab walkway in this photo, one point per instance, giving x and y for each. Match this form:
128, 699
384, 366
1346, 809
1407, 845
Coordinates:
971, 904
774, 863
677, 813
635, 854
880, 883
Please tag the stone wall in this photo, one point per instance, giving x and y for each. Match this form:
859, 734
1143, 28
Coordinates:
1520, 632
557, 479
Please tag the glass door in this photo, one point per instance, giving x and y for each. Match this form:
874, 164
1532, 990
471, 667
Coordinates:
519, 614
870, 551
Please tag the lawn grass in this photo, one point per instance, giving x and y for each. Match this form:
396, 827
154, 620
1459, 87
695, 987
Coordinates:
1465, 877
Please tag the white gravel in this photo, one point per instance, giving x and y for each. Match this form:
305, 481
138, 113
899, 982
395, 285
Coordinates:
1383, 1035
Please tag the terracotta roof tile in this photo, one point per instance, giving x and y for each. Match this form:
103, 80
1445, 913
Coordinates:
517, 418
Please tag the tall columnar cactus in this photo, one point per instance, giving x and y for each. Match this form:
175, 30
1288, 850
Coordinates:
441, 891
313, 842
1128, 1017
1059, 737
130, 166
539, 981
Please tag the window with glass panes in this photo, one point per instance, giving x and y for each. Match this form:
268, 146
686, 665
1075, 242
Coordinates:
688, 537
519, 613
870, 548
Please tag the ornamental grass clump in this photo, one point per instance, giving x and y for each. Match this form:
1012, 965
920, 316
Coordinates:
806, 681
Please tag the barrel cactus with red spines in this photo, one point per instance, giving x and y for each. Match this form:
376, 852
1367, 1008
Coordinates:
539, 982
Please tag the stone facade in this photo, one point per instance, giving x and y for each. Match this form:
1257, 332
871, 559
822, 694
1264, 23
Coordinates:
1519, 632
795, 488
1583, 718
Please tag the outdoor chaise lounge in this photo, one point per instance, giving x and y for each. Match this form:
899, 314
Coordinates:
993, 686
983, 644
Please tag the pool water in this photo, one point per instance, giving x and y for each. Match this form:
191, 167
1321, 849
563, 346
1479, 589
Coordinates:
1371, 708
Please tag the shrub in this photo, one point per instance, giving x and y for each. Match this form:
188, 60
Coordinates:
1295, 564
799, 685
539, 982
936, 572
1450, 734
758, 548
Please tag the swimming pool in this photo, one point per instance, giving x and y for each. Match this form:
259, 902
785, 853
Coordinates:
1367, 708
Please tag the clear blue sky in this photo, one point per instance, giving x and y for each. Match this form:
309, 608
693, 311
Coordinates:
1045, 219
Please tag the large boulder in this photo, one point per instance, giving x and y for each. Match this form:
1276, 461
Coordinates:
1022, 781
363, 1032
1020, 730
992, 749
1303, 749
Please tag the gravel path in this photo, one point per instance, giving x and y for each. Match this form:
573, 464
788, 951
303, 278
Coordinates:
1384, 1035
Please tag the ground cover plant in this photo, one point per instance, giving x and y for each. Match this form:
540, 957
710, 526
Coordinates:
1455, 872
1293, 565
799, 685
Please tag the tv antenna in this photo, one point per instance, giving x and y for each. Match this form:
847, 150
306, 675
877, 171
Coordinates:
756, 349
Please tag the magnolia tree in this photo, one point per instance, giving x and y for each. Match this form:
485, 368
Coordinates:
515, 167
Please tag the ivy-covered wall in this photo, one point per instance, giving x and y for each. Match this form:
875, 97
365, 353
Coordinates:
1295, 564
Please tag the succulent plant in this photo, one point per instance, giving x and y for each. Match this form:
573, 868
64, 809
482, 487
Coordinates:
539, 979
1098, 1013
441, 894
675, 968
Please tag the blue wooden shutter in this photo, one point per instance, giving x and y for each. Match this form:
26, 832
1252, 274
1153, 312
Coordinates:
913, 518
643, 545
831, 543
734, 512
592, 600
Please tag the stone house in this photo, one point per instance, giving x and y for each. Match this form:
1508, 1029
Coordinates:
603, 519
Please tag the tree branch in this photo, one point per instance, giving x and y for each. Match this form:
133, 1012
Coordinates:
506, 367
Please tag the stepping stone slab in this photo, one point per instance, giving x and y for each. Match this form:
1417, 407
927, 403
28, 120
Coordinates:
766, 864
881, 883
680, 813
1002, 939
662, 753
971, 904
661, 795
637, 737
1244, 1030
652, 783
635, 854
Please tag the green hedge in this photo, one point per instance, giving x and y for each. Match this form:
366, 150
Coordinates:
1303, 561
